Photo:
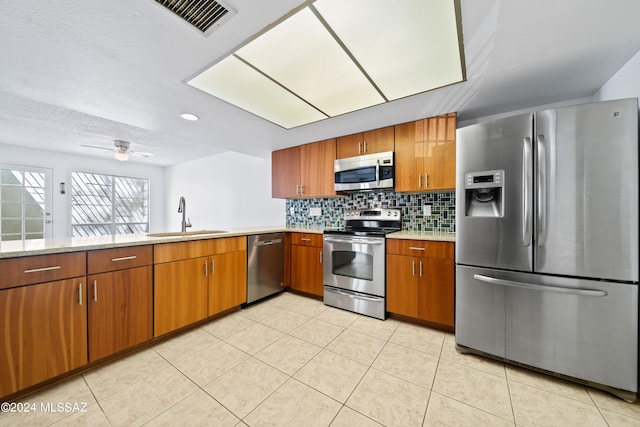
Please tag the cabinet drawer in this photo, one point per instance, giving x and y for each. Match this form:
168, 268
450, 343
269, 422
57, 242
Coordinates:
104, 260
227, 244
167, 252
423, 248
41, 268
306, 239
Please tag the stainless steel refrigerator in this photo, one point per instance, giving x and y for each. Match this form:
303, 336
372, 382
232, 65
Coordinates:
547, 241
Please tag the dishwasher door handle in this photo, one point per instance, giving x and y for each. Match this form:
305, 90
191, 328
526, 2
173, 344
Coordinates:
267, 242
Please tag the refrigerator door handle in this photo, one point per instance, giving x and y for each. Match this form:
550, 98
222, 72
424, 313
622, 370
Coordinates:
526, 192
542, 288
542, 192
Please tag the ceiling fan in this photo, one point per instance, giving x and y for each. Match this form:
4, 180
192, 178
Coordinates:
121, 148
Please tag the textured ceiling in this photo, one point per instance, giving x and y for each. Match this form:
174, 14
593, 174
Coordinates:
75, 73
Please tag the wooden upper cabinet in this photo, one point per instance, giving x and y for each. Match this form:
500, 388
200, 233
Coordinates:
316, 168
285, 173
369, 142
303, 171
426, 154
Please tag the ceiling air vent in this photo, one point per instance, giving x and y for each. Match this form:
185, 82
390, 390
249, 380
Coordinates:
205, 15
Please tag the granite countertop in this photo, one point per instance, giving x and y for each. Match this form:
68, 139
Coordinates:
18, 248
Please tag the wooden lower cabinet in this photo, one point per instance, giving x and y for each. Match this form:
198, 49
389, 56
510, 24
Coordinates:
44, 332
180, 294
421, 286
120, 310
306, 269
227, 281
212, 279
402, 285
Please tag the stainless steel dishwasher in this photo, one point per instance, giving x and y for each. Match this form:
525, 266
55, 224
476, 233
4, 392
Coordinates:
265, 265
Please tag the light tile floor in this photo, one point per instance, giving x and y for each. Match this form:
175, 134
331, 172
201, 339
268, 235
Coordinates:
291, 361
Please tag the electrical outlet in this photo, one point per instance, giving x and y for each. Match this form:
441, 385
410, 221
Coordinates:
292, 211
315, 211
426, 210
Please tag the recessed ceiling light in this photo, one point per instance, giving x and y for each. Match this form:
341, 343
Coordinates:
189, 116
334, 57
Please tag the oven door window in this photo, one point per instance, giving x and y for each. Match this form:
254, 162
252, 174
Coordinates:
357, 265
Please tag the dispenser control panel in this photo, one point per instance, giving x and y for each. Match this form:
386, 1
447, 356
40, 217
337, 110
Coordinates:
484, 179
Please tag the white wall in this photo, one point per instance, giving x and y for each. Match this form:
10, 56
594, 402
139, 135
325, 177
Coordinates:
227, 190
63, 164
623, 84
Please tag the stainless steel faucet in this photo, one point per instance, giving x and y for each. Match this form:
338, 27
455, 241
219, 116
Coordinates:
182, 208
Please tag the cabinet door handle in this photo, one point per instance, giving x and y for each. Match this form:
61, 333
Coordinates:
305, 239
321, 257
80, 293
212, 267
301, 189
420, 268
359, 150
365, 147
420, 181
414, 248
37, 270
413, 267
124, 258
206, 268
426, 179
95, 290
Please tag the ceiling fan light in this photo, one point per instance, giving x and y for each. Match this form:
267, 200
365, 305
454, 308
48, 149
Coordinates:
122, 156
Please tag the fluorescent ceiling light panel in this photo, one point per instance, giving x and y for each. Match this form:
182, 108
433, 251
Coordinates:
235, 82
338, 56
303, 56
406, 46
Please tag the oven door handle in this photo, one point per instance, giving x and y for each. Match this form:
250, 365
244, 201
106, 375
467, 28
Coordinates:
356, 241
346, 294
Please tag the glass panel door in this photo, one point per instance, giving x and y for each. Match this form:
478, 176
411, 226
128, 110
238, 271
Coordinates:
25, 203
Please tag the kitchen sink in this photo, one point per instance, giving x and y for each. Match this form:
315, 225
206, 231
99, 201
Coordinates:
185, 233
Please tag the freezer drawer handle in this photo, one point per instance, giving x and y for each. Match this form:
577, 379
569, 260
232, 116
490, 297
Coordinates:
544, 288
526, 195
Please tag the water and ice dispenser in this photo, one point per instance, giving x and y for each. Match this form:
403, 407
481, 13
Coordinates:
484, 194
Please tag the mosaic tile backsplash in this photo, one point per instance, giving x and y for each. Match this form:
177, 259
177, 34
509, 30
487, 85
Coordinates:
441, 220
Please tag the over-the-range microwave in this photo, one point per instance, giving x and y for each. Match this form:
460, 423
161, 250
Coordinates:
362, 173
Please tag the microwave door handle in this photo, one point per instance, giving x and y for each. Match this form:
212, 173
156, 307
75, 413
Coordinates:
378, 173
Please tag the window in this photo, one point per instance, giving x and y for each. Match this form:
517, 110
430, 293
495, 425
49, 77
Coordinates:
24, 203
106, 204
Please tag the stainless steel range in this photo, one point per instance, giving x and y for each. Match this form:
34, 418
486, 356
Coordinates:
354, 268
